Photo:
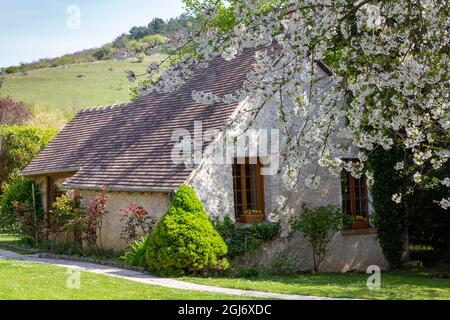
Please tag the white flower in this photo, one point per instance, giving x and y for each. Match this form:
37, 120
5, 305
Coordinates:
445, 203
229, 53
417, 177
397, 198
446, 182
362, 156
240, 29
386, 143
312, 181
274, 217
369, 178
399, 166
206, 98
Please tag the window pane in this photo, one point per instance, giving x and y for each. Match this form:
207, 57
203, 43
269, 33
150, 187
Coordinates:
354, 194
345, 188
251, 187
239, 198
238, 184
361, 196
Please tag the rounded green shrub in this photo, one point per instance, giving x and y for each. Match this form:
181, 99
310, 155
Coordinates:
184, 240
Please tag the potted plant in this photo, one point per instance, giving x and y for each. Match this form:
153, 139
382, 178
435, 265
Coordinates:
359, 222
252, 215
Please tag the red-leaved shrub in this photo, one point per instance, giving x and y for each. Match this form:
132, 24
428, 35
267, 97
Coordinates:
93, 219
13, 112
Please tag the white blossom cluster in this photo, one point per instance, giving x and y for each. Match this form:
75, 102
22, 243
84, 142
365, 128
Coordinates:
389, 85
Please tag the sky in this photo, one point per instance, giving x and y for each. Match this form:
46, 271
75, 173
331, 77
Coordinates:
34, 29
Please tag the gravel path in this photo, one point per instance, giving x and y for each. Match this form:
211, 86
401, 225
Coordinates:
152, 280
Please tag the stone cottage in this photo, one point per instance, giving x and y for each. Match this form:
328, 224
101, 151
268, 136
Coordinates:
128, 149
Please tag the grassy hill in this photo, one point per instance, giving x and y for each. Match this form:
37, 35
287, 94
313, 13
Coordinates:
73, 87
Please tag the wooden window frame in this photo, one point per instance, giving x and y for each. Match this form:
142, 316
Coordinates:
260, 201
352, 194
51, 192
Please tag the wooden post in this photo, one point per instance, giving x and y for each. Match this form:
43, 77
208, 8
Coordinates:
34, 212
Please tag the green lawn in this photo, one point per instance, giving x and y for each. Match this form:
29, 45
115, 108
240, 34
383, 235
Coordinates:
11, 242
102, 83
33, 281
7, 238
394, 285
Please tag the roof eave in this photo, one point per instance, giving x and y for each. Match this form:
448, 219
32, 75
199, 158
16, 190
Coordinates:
48, 172
118, 188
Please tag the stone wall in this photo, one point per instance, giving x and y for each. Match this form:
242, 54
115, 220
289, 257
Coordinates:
156, 205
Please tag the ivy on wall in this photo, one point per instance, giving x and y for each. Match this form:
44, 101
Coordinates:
242, 239
390, 218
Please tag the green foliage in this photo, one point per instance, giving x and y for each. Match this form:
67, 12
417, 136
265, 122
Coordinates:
62, 247
136, 46
103, 53
77, 57
389, 217
62, 211
71, 248
67, 215
135, 254
19, 145
225, 18
242, 239
19, 192
417, 216
12, 69
318, 226
284, 264
184, 240
154, 39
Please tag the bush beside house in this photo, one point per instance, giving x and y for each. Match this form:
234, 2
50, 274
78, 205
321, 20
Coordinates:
185, 240
19, 144
319, 225
19, 210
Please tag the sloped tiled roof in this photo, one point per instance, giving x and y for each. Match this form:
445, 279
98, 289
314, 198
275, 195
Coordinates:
128, 147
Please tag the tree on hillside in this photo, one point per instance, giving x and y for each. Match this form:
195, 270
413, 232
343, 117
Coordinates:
13, 112
156, 26
121, 41
389, 79
138, 32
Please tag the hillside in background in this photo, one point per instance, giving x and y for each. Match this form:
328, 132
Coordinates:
56, 88
72, 87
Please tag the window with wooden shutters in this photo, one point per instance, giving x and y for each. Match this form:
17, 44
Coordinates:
248, 185
355, 198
